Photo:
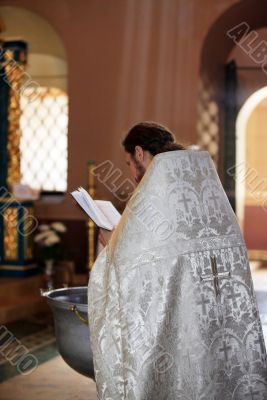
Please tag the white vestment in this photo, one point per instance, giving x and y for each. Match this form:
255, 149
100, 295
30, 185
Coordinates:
172, 309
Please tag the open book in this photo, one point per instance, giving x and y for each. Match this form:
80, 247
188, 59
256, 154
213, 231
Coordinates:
103, 213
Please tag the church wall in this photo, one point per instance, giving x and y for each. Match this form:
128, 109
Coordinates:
255, 232
127, 61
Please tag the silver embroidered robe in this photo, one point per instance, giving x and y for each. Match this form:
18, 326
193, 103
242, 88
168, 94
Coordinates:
171, 304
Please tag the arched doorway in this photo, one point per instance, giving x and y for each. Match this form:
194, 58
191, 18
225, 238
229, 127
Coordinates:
217, 109
251, 169
227, 87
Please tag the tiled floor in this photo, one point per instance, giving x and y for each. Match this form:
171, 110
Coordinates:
37, 337
54, 379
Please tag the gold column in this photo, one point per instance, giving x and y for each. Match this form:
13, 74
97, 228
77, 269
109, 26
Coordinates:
91, 225
14, 72
28, 239
10, 234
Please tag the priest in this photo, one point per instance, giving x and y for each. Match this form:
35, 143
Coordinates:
172, 309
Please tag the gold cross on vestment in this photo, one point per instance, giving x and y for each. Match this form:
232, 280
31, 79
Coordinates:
215, 277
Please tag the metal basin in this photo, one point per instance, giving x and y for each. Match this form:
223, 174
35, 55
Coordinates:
69, 306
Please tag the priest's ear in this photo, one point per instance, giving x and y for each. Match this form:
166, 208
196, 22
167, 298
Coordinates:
139, 153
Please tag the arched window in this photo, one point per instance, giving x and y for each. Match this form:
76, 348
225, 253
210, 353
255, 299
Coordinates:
44, 109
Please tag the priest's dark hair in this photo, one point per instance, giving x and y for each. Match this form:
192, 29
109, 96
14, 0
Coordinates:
152, 137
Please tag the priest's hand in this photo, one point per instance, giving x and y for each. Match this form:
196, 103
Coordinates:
104, 236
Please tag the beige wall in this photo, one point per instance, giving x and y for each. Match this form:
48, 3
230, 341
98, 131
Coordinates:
256, 179
128, 60
256, 145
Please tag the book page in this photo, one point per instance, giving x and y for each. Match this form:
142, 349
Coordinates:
103, 213
92, 210
109, 211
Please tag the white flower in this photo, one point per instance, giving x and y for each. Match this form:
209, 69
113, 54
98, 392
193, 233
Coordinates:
59, 227
50, 233
44, 227
41, 236
51, 239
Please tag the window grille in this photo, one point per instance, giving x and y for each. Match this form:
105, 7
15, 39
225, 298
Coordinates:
43, 145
